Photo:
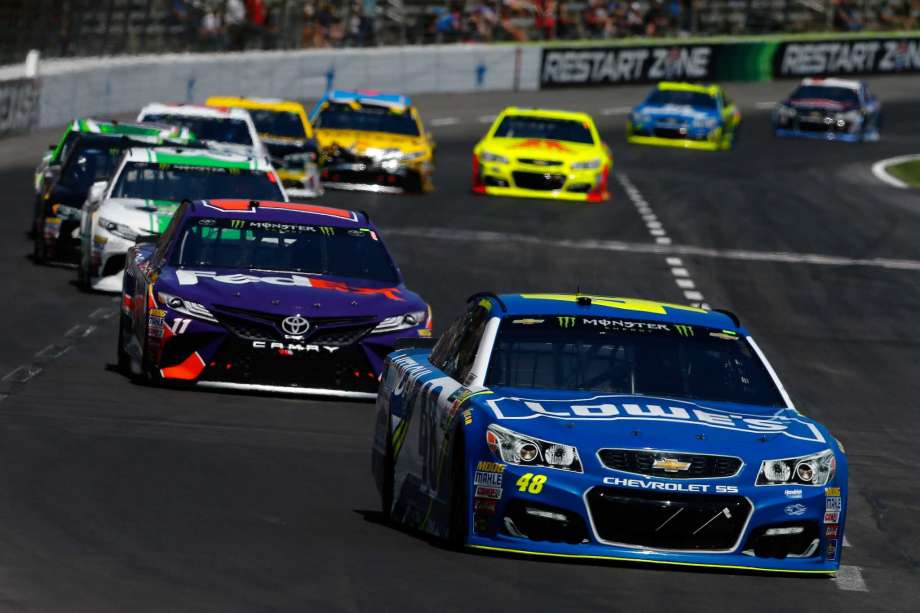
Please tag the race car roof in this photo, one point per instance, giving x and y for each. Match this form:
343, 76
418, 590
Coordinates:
267, 104
193, 110
369, 97
712, 90
140, 129
280, 212
845, 83
513, 305
548, 113
196, 157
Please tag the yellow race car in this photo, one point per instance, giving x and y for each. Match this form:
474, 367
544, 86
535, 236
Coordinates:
684, 115
536, 153
372, 141
287, 135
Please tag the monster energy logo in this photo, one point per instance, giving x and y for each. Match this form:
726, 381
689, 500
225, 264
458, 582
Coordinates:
327, 230
238, 223
566, 322
684, 330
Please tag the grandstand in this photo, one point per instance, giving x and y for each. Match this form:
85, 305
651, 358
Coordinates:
62, 28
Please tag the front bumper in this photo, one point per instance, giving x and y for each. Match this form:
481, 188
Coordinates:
677, 135
847, 137
107, 260
554, 183
733, 536
240, 353
365, 174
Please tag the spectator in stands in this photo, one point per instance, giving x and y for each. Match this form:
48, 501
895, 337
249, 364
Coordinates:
357, 28
483, 21
846, 17
448, 23
211, 32
545, 18
596, 19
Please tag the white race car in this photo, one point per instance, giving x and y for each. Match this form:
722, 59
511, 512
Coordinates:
145, 191
221, 128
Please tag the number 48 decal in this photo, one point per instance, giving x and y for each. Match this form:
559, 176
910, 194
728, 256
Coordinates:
531, 483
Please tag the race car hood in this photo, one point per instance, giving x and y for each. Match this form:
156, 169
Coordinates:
145, 216
359, 142
675, 110
592, 421
286, 293
539, 148
822, 104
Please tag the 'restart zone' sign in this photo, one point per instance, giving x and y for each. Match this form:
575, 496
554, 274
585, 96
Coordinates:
574, 66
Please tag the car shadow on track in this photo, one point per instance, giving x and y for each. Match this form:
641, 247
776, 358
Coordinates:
377, 517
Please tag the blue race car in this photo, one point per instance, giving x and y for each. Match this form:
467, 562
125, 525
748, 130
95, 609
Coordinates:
265, 296
685, 115
607, 428
829, 109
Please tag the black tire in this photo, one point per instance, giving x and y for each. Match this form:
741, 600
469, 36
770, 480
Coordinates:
386, 493
459, 505
39, 249
149, 373
124, 360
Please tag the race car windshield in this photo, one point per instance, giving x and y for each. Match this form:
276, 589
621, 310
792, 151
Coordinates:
823, 92
339, 116
522, 126
621, 356
215, 129
278, 123
699, 100
284, 247
177, 182
86, 165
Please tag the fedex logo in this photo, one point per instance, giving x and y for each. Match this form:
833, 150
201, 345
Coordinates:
614, 408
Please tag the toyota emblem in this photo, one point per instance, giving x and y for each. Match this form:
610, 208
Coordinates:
295, 325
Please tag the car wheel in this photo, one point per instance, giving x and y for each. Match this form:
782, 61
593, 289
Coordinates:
149, 374
459, 505
39, 249
386, 495
124, 360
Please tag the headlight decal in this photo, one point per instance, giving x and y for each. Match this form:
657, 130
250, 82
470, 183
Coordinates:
400, 322
187, 307
816, 469
118, 229
524, 450
493, 158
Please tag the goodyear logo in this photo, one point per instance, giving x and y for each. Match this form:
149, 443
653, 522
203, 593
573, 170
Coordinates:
566, 322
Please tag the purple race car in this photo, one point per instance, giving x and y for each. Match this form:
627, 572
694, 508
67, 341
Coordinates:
266, 296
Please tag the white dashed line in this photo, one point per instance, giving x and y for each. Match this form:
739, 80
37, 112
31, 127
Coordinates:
616, 110
486, 118
444, 121
850, 578
764, 105
102, 313
657, 231
879, 169
846, 542
52, 352
21, 374
80, 331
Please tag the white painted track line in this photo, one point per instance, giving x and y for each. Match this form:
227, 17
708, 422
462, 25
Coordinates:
879, 169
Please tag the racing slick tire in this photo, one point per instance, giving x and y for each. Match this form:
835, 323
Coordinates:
386, 493
458, 527
39, 249
124, 360
149, 374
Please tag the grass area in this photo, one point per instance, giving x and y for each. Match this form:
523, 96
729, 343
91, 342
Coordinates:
908, 171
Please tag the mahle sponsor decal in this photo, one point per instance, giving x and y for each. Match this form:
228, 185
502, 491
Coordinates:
784, 422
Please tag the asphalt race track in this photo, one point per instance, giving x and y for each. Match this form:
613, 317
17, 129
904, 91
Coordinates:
118, 497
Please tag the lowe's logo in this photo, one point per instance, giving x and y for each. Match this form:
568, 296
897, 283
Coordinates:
614, 408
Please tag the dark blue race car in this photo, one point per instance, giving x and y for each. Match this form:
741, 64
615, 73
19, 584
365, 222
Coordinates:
595, 427
266, 296
829, 109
